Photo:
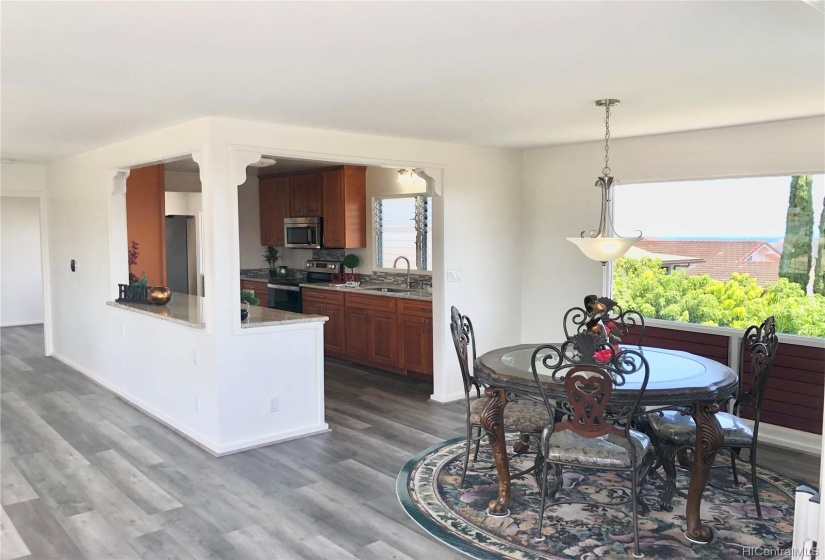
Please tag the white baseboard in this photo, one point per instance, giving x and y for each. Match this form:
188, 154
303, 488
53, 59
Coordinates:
198, 439
269, 439
192, 435
789, 439
23, 324
447, 399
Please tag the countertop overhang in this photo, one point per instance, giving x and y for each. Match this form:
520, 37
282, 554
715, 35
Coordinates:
413, 294
183, 309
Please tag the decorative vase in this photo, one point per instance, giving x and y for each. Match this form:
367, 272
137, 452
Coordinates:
244, 310
273, 272
282, 271
159, 295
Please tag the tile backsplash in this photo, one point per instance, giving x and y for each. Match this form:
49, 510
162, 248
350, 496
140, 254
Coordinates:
389, 278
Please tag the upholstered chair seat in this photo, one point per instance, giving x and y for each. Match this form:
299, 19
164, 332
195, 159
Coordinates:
674, 427
524, 416
610, 451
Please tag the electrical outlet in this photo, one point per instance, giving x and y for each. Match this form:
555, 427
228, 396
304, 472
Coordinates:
273, 404
453, 276
195, 357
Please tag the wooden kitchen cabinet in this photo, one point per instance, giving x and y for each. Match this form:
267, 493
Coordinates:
260, 288
306, 195
355, 319
371, 330
393, 334
274, 198
345, 207
415, 337
320, 302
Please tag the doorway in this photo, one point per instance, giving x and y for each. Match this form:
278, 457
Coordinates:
21, 281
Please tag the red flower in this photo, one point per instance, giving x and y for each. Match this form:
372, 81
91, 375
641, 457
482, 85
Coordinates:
603, 355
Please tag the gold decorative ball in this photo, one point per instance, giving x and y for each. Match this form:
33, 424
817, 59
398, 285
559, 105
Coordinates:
159, 295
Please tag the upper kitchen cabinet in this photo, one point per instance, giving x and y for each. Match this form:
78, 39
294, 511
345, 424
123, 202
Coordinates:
274, 194
306, 195
345, 207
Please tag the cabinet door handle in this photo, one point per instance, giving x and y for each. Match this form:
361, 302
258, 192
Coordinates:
321, 308
424, 327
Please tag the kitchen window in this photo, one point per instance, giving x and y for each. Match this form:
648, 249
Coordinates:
403, 228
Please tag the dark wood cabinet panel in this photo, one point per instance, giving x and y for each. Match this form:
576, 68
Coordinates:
383, 346
260, 288
344, 207
334, 328
314, 199
273, 195
357, 333
415, 344
306, 195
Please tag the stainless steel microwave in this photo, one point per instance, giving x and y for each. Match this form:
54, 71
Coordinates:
302, 232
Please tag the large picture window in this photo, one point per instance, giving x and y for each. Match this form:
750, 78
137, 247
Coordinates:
726, 252
403, 228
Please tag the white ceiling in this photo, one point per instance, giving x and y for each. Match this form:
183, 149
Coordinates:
79, 75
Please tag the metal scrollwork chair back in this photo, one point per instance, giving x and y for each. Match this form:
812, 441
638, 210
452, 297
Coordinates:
673, 430
587, 436
525, 416
624, 326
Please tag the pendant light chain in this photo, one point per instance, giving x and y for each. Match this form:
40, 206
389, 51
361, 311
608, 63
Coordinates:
606, 170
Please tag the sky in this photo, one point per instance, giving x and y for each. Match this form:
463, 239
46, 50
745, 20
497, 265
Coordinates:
754, 208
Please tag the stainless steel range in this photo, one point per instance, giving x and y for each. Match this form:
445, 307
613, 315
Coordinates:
286, 294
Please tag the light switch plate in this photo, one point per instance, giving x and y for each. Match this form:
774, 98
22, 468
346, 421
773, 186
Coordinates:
453, 276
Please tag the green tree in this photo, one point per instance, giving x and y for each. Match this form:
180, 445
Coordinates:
795, 262
644, 285
819, 271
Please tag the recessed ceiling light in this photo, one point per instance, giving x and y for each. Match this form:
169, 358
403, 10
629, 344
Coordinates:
263, 162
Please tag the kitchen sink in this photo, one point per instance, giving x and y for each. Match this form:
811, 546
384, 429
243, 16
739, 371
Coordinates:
389, 290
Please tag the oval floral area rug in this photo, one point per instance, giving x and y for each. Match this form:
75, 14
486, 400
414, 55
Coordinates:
428, 490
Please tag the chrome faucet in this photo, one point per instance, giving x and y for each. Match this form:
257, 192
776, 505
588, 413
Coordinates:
395, 265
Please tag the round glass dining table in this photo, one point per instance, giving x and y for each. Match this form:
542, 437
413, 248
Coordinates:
676, 378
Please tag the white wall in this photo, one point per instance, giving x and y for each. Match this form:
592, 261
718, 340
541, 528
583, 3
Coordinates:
16, 177
183, 203
181, 181
21, 279
559, 199
147, 361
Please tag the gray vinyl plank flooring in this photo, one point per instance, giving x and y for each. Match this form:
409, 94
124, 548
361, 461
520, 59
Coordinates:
85, 475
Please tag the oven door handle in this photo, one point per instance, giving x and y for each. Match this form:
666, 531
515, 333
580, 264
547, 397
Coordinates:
285, 288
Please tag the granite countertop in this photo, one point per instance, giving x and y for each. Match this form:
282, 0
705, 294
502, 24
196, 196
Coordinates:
413, 294
183, 309
253, 279
265, 317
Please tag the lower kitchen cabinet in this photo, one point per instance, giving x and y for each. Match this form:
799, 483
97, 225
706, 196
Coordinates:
260, 288
392, 334
382, 345
335, 328
357, 335
415, 345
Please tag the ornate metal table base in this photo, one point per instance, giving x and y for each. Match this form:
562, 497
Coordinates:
709, 439
492, 420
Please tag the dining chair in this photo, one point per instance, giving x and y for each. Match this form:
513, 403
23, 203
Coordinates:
522, 416
624, 326
588, 437
674, 430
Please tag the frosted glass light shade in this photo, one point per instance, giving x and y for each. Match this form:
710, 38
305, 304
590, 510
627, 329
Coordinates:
604, 249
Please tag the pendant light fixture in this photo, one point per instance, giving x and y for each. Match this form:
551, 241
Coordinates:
603, 245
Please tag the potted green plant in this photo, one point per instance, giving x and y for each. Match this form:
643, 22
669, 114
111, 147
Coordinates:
271, 257
350, 262
247, 298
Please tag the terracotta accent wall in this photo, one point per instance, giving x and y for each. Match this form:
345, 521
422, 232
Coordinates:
146, 221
